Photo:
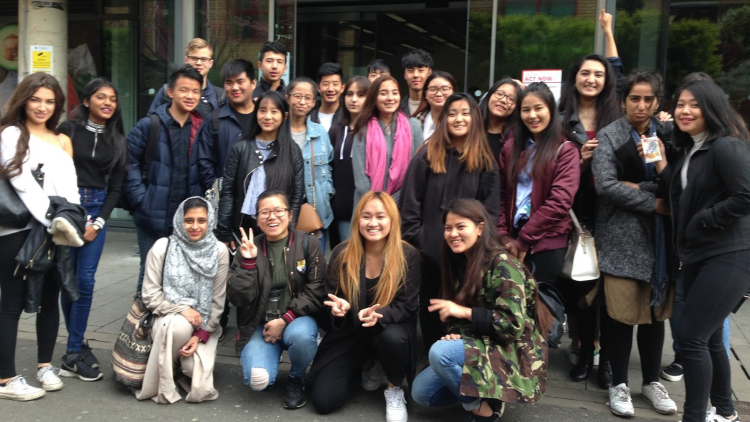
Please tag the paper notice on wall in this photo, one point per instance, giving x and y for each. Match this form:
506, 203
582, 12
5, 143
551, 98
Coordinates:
551, 77
41, 58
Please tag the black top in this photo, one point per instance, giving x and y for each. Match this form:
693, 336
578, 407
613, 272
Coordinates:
246, 121
496, 144
342, 171
370, 284
93, 162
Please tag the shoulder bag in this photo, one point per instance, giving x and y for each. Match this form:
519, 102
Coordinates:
308, 220
13, 212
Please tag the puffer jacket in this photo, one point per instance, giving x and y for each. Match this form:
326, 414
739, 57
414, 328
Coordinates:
250, 280
151, 199
243, 160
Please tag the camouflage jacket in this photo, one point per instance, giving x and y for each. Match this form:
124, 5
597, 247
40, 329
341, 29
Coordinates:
505, 355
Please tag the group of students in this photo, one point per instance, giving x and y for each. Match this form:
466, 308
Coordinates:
216, 184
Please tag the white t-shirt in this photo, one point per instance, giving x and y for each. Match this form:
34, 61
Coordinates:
326, 120
413, 105
429, 126
697, 144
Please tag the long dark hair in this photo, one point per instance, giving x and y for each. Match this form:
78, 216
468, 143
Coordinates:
607, 107
363, 84
721, 119
483, 252
370, 108
546, 147
423, 104
114, 132
16, 116
484, 105
280, 170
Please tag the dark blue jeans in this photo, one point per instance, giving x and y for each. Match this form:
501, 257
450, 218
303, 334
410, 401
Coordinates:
146, 240
86, 260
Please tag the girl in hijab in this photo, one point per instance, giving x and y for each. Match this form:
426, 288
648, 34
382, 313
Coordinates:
184, 286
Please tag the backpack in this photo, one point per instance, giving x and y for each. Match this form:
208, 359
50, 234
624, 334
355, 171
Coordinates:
148, 157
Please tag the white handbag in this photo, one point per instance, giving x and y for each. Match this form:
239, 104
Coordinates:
581, 262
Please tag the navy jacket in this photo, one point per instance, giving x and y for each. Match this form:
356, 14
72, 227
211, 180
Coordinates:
209, 100
151, 199
213, 153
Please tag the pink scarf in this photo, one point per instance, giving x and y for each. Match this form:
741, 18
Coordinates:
376, 154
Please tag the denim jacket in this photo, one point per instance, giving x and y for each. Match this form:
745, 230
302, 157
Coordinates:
323, 151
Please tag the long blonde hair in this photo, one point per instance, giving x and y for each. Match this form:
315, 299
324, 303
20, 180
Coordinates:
350, 260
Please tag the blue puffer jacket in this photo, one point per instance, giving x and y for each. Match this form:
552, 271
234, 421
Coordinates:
323, 151
151, 200
213, 153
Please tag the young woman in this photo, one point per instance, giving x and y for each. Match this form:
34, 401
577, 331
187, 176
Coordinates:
29, 142
269, 159
494, 352
708, 185
372, 284
384, 142
539, 176
278, 288
498, 113
317, 151
632, 244
342, 139
100, 157
185, 285
438, 87
455, 163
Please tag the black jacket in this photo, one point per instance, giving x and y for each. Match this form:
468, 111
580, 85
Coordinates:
249, 283
263, 86
342, 139
346, 335
712, 214
314, 116
242, 161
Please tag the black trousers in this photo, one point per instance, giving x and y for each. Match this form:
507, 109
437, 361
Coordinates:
584, 319
12, 300
619, 343
429, 322
337, 381
713, 287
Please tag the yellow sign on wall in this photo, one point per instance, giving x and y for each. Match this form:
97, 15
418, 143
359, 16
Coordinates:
41, 58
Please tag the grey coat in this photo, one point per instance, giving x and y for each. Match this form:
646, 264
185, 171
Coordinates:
359, 158
625, 216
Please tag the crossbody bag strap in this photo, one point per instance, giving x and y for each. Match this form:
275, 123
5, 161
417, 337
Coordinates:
570, 211
312, 164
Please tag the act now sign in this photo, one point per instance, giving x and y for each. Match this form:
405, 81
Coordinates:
551, 77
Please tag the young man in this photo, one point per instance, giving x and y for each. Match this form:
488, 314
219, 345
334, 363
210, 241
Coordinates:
417, 66
376, 69
227, 125
199, 55
330, 87
173, 173
272, 65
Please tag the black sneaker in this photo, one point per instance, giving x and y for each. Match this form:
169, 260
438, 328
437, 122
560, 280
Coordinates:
74, 366
295, 393
673, 372
88, 355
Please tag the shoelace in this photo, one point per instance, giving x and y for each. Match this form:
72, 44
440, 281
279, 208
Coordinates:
46, 369
661, 392
622, 395
394, 398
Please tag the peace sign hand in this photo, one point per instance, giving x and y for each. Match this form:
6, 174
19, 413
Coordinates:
368, 316
248, 250
339, 306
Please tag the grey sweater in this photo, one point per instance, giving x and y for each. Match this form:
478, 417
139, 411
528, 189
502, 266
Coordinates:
362, 181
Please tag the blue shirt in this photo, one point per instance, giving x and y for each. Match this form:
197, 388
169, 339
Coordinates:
524, 188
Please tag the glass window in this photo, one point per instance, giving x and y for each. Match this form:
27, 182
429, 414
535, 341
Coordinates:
156, 52
8, 63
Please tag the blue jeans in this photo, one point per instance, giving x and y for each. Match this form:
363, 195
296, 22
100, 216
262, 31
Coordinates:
322, 240
146, 240
345, 229
85, 261
438, 385
300, 338
674, 320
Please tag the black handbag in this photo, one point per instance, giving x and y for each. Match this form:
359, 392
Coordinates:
13, 212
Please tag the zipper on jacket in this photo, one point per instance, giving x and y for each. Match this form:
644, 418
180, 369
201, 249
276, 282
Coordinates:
31, 261
289, 277
244, 183
96, 139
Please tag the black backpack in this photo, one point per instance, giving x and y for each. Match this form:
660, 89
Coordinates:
148, 157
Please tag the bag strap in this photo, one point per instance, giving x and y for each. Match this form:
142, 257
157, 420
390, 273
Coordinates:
312, 164
153, 141
570, 211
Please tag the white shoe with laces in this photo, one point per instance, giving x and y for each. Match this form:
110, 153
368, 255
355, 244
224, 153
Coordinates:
17, 389
711, 416
620, 402
395, 405
657, 395
373, 379
48, 376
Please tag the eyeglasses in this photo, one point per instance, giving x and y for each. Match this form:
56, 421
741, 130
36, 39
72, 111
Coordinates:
300, 97
445, 90
503, 96
278, 212
196, 59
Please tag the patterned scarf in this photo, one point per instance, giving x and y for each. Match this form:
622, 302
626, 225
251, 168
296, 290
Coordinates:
190, 267
376, 151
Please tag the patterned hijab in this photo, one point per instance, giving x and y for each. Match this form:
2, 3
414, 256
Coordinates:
190, 267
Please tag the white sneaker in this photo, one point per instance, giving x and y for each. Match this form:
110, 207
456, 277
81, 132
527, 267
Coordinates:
48, 376
620, 402
395, 405
657, 395
373, 379
17, 389
711, 416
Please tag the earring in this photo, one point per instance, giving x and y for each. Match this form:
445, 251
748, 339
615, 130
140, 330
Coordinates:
86, 105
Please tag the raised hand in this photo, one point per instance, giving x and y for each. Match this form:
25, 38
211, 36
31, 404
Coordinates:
368, 316
605, 20
448, 309
339, 306
248, 250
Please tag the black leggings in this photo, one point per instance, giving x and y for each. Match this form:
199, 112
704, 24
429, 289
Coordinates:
12, 300
584, 319
429, 322
336, 382
713, 288
620, 342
